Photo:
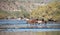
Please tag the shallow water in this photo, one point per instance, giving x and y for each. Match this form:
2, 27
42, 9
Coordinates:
22, 25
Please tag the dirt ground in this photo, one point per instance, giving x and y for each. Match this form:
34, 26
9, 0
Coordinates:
30, 33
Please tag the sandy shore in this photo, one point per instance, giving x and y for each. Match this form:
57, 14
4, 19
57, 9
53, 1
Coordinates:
31, 33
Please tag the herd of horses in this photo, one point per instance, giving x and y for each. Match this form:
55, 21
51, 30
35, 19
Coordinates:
34, 21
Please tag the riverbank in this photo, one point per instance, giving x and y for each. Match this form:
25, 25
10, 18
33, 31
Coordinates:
31, 33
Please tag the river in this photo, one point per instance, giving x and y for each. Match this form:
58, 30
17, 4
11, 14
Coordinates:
22, 25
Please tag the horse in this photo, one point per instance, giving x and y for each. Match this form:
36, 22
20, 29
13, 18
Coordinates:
33, 21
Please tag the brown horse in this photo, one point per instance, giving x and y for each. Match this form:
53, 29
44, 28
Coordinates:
33, 21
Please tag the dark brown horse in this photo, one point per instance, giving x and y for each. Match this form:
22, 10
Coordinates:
33, 21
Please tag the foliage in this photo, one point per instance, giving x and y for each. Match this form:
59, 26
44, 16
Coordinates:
51, 10
55, 6
3, 14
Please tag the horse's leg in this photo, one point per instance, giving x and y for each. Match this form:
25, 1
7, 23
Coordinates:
46, 24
